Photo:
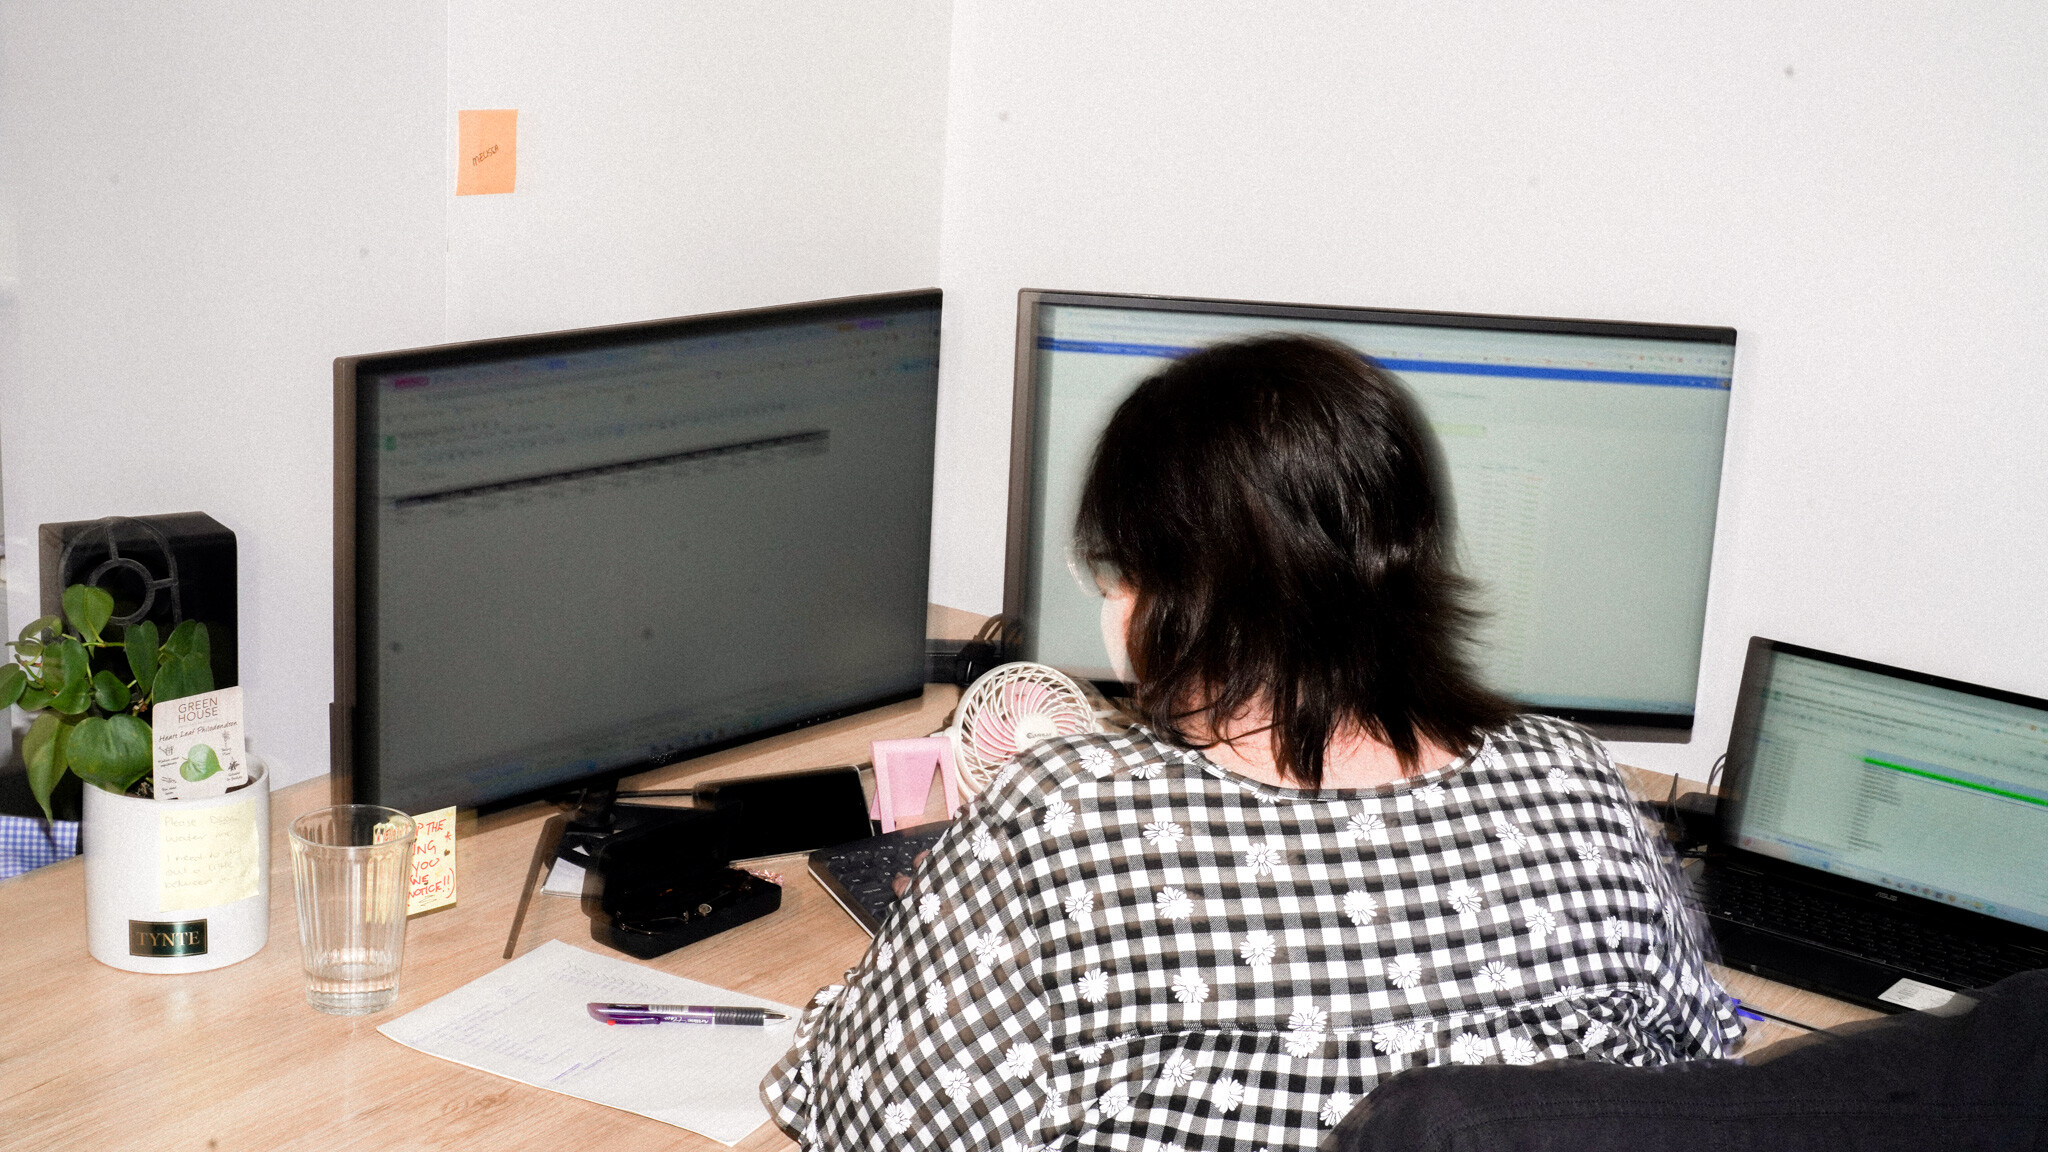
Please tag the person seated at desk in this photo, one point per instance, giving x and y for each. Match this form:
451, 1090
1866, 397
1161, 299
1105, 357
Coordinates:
1326, 855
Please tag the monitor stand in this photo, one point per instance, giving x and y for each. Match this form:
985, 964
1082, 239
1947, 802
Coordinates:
587, 817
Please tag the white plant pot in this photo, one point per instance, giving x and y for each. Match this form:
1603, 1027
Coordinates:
178, 885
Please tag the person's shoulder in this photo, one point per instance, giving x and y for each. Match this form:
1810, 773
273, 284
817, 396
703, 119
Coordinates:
1534, 734
1092, 755
1546, 746
1049, 766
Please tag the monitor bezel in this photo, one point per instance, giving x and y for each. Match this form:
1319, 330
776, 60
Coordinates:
1609, 724
1741, 761
348, 718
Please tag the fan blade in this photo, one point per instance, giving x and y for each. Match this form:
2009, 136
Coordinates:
994, 736
1024, 698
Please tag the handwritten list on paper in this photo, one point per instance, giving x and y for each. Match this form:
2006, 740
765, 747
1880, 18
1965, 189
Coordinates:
207, 857
529, 1021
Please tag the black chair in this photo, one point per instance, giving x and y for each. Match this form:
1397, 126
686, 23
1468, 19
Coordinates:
1971, 1075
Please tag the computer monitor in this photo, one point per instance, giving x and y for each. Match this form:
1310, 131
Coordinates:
563, 558
1584, 458
1901, 780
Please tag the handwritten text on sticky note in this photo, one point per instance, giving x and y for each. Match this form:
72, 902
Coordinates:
206, 857
433, 862
487, 150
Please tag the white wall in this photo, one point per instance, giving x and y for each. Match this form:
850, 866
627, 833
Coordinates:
213, 201
1859, 193
684, 158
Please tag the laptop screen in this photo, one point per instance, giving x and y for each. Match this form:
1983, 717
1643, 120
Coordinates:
1916, 784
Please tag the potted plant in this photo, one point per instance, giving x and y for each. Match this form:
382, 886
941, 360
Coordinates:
171, 885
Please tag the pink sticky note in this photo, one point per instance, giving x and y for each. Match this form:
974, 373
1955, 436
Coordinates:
903, 778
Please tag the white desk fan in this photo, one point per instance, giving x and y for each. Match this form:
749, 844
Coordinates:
1010, 708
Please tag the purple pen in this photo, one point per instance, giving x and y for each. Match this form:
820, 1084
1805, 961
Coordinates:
682, 1014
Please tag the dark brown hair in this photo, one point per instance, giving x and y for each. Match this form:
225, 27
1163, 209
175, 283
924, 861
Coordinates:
1280, 510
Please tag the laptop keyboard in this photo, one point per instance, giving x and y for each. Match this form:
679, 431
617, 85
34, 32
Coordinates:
861, 875
1867, 933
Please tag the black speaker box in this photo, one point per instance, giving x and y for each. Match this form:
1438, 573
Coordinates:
170, 569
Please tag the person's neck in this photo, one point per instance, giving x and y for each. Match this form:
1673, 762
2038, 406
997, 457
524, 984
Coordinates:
1352, 761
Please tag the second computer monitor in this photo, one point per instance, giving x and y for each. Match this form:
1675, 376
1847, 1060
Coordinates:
1585, 463
568, 557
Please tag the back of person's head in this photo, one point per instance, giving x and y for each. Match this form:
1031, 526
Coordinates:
1280, 511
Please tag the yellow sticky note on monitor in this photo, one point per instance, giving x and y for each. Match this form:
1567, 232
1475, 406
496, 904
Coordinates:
487, 150
433, 862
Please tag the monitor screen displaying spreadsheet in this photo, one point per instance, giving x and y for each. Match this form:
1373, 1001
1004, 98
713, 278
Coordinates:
572, 556
1911, 782
1584, 458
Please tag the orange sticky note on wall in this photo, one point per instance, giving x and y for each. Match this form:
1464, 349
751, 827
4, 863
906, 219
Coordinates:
487, 156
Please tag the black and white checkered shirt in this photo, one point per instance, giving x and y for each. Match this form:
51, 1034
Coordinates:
1120, 945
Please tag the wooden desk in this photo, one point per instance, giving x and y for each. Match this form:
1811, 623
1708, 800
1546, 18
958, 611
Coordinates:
91, 1057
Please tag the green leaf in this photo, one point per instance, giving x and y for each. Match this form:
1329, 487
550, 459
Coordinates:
186, 658
74, 690
13, 682
55, 660
181, 676
108, 691
35, 699
140, 642
29, 648
188, 639
131, 741
90, 750
43, 751
72, 678
112, 753
88, 608
199, 763
35, 629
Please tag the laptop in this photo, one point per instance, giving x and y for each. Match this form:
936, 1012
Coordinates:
1884, 833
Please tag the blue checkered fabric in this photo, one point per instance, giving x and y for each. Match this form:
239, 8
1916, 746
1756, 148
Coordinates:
25, 844
1121, 945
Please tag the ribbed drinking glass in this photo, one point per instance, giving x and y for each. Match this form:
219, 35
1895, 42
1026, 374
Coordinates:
351, 865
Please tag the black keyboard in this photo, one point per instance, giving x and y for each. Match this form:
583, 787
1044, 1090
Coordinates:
861, 875
1866, 932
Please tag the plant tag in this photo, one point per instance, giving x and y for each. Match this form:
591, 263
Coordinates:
198, 746
433, 862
